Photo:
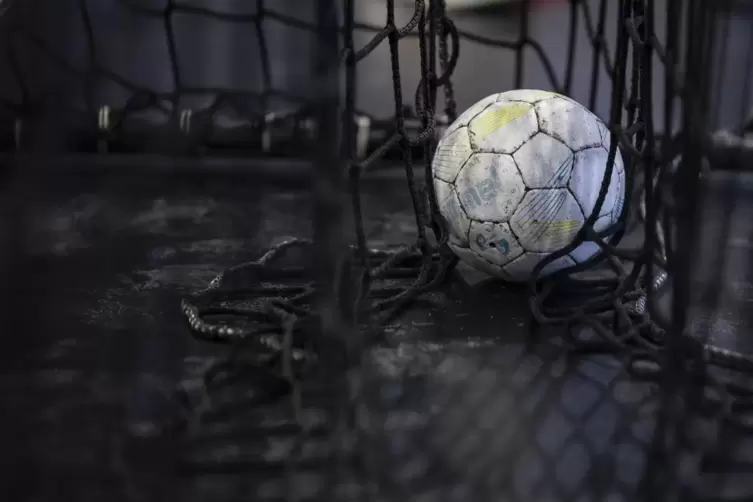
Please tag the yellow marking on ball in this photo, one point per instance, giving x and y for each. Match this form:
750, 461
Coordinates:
560, 231
562, 226
492, 121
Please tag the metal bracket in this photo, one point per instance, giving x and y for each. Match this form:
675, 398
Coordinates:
185, 121
309, 126
103, 125
363, 133
266, 133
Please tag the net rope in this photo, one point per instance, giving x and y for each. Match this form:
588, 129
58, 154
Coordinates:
265, 309
619, 310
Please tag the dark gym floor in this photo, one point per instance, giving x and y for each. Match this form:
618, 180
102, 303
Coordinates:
88, 375
88, 379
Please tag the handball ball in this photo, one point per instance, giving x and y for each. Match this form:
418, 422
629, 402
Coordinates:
516, 176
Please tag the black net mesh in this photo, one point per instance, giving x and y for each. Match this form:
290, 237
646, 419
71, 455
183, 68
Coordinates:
305, 321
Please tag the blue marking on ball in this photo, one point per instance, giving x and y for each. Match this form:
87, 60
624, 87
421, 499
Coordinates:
501, 245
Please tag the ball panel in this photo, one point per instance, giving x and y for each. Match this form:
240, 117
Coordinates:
604, 133
452, 153
494, 242
527, 95
587, 250
474, 260
519, 270
544, 162
589, 169
603, 223
503, 127
470, 113
458, 223
569, 122
546, 220
584, 252
489, 187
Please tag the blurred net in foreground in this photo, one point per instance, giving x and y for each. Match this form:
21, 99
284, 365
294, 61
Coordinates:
302, 319
693, 384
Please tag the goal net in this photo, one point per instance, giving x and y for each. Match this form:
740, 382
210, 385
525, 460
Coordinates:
305, 321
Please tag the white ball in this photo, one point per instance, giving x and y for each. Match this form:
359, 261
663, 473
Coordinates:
516, 176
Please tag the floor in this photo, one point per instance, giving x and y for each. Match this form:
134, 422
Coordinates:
462, 401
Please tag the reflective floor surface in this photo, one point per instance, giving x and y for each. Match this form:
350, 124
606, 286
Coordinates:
462, 401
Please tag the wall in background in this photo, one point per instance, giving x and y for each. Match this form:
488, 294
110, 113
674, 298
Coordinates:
217, 53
